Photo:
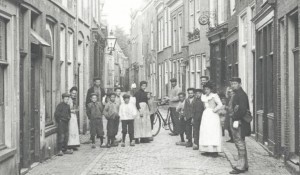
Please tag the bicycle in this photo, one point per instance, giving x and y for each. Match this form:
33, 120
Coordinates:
159, 121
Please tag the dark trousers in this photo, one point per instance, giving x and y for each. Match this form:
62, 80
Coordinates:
240, 144
112, 127
196, 128
152, 120
63, 135
188, 129
175, 119
128, 125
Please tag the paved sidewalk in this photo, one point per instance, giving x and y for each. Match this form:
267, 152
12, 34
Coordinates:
260, 163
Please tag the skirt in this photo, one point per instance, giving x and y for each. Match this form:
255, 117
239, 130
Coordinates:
73, 131
142, 125
210, 132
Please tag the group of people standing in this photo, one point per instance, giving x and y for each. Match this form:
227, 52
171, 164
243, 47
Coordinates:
132, 109
204, 114
198, 118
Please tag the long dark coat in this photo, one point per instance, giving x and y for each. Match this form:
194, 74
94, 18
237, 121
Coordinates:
240, 105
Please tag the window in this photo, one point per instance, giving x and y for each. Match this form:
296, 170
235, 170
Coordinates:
160, 80
178, 72
197, 4
160, 34
198, 69
62, 59
79, 8
49, 72
244, 28
232, 7
203, 64
70, 59
3, 65
166, 72
192, 16
86, 10
174, 69
152, 36
166, 27
174, 35
180, 31
221, 12
192, 71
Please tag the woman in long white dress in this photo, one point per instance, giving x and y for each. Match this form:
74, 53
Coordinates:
73, 141
210, 142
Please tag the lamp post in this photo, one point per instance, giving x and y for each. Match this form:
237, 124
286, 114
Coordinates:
111, 42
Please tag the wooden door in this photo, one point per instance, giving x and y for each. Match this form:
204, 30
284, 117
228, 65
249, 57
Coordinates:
34, 100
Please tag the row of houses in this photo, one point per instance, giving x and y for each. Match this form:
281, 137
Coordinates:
47, 46
256, 40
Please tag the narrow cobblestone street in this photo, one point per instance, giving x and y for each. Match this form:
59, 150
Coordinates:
161, 156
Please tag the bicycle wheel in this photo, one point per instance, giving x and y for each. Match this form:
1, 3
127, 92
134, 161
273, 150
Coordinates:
156, 125
170, 121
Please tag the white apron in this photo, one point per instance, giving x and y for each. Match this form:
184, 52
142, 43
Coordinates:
73, 128
142, 125
210, 130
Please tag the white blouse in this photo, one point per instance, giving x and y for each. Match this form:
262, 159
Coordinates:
212, 101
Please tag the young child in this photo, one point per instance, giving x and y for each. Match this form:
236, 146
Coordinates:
62, 116
223, 112
94, 112
127, 113
181, 126
111, 113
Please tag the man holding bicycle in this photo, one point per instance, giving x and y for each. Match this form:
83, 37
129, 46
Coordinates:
173, 103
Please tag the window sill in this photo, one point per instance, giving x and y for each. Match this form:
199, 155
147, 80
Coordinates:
50, 130
194, 40
7, 153
244, 44
3, 63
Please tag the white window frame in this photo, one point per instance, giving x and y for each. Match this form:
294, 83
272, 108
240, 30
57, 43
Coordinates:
191, 15
180, 30
232, 7
166, 28
174, 37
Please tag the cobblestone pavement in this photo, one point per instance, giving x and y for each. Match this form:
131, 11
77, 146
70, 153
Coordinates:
260, 162
161, 156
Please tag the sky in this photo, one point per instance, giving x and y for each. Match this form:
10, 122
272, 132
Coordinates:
117, 12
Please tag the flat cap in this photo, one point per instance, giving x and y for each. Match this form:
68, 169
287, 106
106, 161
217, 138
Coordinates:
65, 95
236, 79
173, 80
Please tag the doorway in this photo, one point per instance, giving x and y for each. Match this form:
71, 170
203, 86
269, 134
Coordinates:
29, 112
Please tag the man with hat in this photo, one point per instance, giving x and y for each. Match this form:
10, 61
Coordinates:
240, 127
173, 103
95, 89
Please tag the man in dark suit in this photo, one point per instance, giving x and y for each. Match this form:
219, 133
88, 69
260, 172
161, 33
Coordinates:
240, 128
95, 89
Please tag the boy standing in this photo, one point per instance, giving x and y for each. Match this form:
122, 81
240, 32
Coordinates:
182, 122
199, 108
62, 116
94, 113
127, 113
189, 113
111, 113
